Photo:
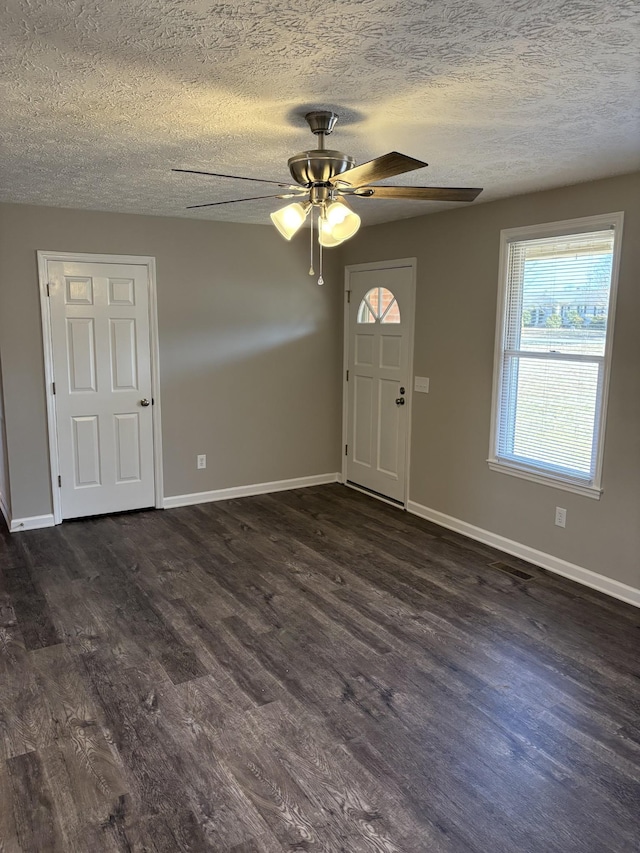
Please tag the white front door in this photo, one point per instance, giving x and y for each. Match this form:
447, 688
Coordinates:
380, 321
102, 373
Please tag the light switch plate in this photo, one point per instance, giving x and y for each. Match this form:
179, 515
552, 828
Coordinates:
421, 383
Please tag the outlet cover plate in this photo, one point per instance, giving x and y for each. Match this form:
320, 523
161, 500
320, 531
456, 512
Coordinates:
202, 460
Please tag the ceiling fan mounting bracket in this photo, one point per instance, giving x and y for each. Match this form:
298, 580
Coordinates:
321, 121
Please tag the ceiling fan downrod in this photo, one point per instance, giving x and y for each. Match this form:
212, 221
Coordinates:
321, 123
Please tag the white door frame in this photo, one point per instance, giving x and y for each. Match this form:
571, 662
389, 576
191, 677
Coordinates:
412, 263
47, 341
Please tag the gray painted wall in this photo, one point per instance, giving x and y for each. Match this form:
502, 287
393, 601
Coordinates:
251, 352
457, 254
250, 348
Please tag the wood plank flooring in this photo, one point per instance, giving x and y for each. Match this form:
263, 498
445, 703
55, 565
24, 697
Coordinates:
310, 670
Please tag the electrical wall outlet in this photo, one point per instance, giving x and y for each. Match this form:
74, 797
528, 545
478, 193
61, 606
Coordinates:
202, 460
561, 517
421, 384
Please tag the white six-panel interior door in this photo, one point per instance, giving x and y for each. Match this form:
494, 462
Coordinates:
102, 393
378, 344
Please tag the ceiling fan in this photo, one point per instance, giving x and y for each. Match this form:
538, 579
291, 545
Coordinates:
326, 178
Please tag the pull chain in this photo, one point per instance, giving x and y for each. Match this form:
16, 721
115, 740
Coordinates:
320, 215
311, 270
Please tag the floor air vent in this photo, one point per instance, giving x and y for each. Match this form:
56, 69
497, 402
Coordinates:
511, 570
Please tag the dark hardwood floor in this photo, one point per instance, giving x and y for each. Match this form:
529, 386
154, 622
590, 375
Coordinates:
309, 670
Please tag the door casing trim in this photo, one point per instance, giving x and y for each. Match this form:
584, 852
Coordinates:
412, 263
47, 341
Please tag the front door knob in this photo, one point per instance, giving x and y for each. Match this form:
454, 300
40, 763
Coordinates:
399, 401
144, 402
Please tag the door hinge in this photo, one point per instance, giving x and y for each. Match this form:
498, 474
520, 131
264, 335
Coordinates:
348, 296
48, 293
347, 375
59, 481
53, 387
346, 447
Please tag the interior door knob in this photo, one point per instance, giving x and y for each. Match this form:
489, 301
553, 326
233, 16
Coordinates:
144, 402
399, 401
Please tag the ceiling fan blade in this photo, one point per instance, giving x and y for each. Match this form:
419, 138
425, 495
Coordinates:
420, 193
387, 166
236, 200
236, 178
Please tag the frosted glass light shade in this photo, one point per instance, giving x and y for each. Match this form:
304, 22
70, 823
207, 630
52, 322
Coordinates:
288, 220
337, 224
347, 226
326, 236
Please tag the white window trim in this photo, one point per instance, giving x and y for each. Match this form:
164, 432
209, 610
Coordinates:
531, 232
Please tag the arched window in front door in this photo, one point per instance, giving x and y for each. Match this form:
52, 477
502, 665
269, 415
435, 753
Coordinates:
379, 306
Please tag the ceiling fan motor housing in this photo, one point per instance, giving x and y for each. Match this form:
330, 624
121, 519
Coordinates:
318, 165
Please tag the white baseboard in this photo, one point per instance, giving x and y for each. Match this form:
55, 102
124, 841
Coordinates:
247, 491
33, 522
546, 561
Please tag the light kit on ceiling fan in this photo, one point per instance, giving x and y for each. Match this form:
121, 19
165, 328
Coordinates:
336, 221
290, 219
326, 237
324, 177
343, 221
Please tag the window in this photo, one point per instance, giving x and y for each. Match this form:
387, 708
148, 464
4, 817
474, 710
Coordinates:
379, 306
555, 325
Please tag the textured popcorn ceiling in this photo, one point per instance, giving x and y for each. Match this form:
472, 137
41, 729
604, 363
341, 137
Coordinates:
100, 99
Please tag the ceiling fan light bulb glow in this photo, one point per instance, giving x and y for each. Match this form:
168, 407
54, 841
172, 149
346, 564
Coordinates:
288, 220
337, 212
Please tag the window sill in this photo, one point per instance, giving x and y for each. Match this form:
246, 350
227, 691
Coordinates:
545, 479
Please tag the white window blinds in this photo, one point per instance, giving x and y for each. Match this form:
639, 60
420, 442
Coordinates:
551, 377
